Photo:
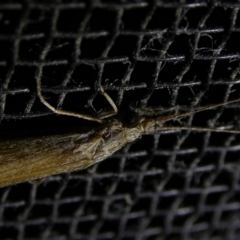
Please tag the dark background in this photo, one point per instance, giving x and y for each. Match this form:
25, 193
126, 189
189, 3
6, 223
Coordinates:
148, 56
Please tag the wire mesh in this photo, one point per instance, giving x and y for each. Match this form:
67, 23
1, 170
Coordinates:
147, 55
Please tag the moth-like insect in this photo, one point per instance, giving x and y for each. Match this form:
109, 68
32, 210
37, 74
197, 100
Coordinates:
32, 158
27, 159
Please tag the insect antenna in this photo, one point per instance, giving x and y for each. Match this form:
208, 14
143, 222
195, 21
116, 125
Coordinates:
199, 129
153, 125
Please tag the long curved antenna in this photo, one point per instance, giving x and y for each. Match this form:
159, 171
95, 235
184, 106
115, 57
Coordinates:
155, 124
201, 109
198, 129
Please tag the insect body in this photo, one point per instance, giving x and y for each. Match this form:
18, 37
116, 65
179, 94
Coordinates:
22, 160
39, 157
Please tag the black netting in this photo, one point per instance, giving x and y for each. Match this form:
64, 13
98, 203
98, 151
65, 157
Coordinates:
147, 55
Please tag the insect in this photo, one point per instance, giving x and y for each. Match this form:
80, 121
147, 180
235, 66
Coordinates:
32, 158
22, 160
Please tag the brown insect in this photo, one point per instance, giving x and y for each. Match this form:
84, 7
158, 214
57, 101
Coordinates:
22, 160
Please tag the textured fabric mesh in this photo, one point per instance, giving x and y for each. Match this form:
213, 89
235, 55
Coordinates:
148, 56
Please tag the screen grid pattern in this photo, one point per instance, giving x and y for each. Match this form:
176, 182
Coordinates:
150, 56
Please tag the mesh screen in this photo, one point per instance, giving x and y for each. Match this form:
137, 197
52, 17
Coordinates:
147, 55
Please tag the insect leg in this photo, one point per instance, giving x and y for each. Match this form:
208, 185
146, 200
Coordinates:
115, 110
58, 111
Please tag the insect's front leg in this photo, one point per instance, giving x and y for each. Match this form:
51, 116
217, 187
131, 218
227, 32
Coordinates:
73, 114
